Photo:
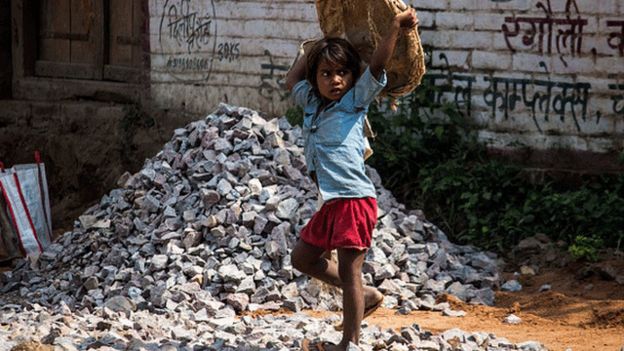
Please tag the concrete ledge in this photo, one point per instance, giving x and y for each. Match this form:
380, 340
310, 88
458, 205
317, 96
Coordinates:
562, 163
48, 89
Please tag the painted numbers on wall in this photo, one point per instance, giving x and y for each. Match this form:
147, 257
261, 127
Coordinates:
228, 51
187, 33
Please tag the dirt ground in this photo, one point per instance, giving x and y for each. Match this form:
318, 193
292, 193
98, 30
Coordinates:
581, 314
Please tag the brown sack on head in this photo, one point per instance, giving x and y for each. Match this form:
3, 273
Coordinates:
364, 23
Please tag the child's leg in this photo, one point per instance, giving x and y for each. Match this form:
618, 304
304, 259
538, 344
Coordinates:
314, 262
350, 270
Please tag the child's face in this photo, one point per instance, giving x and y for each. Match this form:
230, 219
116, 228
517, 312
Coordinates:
333, 80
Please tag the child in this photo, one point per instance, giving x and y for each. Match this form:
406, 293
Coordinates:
335, 98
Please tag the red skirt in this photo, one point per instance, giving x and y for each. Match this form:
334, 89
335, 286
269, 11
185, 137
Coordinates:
342, 223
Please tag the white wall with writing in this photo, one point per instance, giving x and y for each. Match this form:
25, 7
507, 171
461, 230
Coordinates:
545, 74
207, 51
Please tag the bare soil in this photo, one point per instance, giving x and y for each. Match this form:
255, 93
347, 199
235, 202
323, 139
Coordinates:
32, 346
581, 314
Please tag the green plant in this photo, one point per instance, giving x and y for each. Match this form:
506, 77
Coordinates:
294, 116
585, 248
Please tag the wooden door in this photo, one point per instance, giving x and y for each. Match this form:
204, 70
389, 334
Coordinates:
124, 56
70, 39
90, 39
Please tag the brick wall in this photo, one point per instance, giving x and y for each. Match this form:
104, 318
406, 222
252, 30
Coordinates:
5, 49
234, 51
544, 74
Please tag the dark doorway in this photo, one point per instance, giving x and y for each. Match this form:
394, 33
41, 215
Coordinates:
5, 49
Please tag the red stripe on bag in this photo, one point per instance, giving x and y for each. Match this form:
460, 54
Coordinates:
43, 202
19, 236
19, 191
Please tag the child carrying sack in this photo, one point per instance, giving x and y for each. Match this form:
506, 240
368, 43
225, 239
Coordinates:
25, 209
304, 48
363, 23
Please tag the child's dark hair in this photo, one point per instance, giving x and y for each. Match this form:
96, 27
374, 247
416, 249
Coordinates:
335, 51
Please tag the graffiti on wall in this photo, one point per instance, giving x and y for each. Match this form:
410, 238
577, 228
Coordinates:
188, 32
546, 101
186, 26
447, 82
550, 33
271, 79
547, 33
618, 99
564, 99
616, 39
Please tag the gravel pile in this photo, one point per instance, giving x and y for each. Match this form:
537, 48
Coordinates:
105, 330
202, 234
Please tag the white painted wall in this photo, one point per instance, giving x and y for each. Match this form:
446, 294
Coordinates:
208, 51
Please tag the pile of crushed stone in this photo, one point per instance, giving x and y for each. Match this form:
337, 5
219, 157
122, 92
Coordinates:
203, 233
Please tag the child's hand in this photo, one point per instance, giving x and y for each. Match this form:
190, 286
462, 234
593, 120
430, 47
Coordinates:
407, 18
403, 21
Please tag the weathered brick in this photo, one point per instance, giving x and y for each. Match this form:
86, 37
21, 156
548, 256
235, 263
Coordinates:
602, 7
464, 5
453, 20
426, 18
491, 60
454, 58
567, 64
430, 4
488, 21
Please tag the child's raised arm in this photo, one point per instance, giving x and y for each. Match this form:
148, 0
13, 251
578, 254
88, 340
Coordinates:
385, 49
297, 73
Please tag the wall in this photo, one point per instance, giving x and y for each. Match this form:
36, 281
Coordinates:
204, 52
545, 74
5, 49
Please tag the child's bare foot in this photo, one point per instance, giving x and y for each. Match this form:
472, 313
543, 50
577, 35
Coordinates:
321, 346
332, 347
372, 300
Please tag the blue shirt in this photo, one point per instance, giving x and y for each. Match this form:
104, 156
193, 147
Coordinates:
334, 137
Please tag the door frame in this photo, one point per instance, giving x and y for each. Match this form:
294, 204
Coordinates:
27, 86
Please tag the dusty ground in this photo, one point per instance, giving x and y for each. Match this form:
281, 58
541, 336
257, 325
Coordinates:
582, 314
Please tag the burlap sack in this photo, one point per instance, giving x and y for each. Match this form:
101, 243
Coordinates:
364, 23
